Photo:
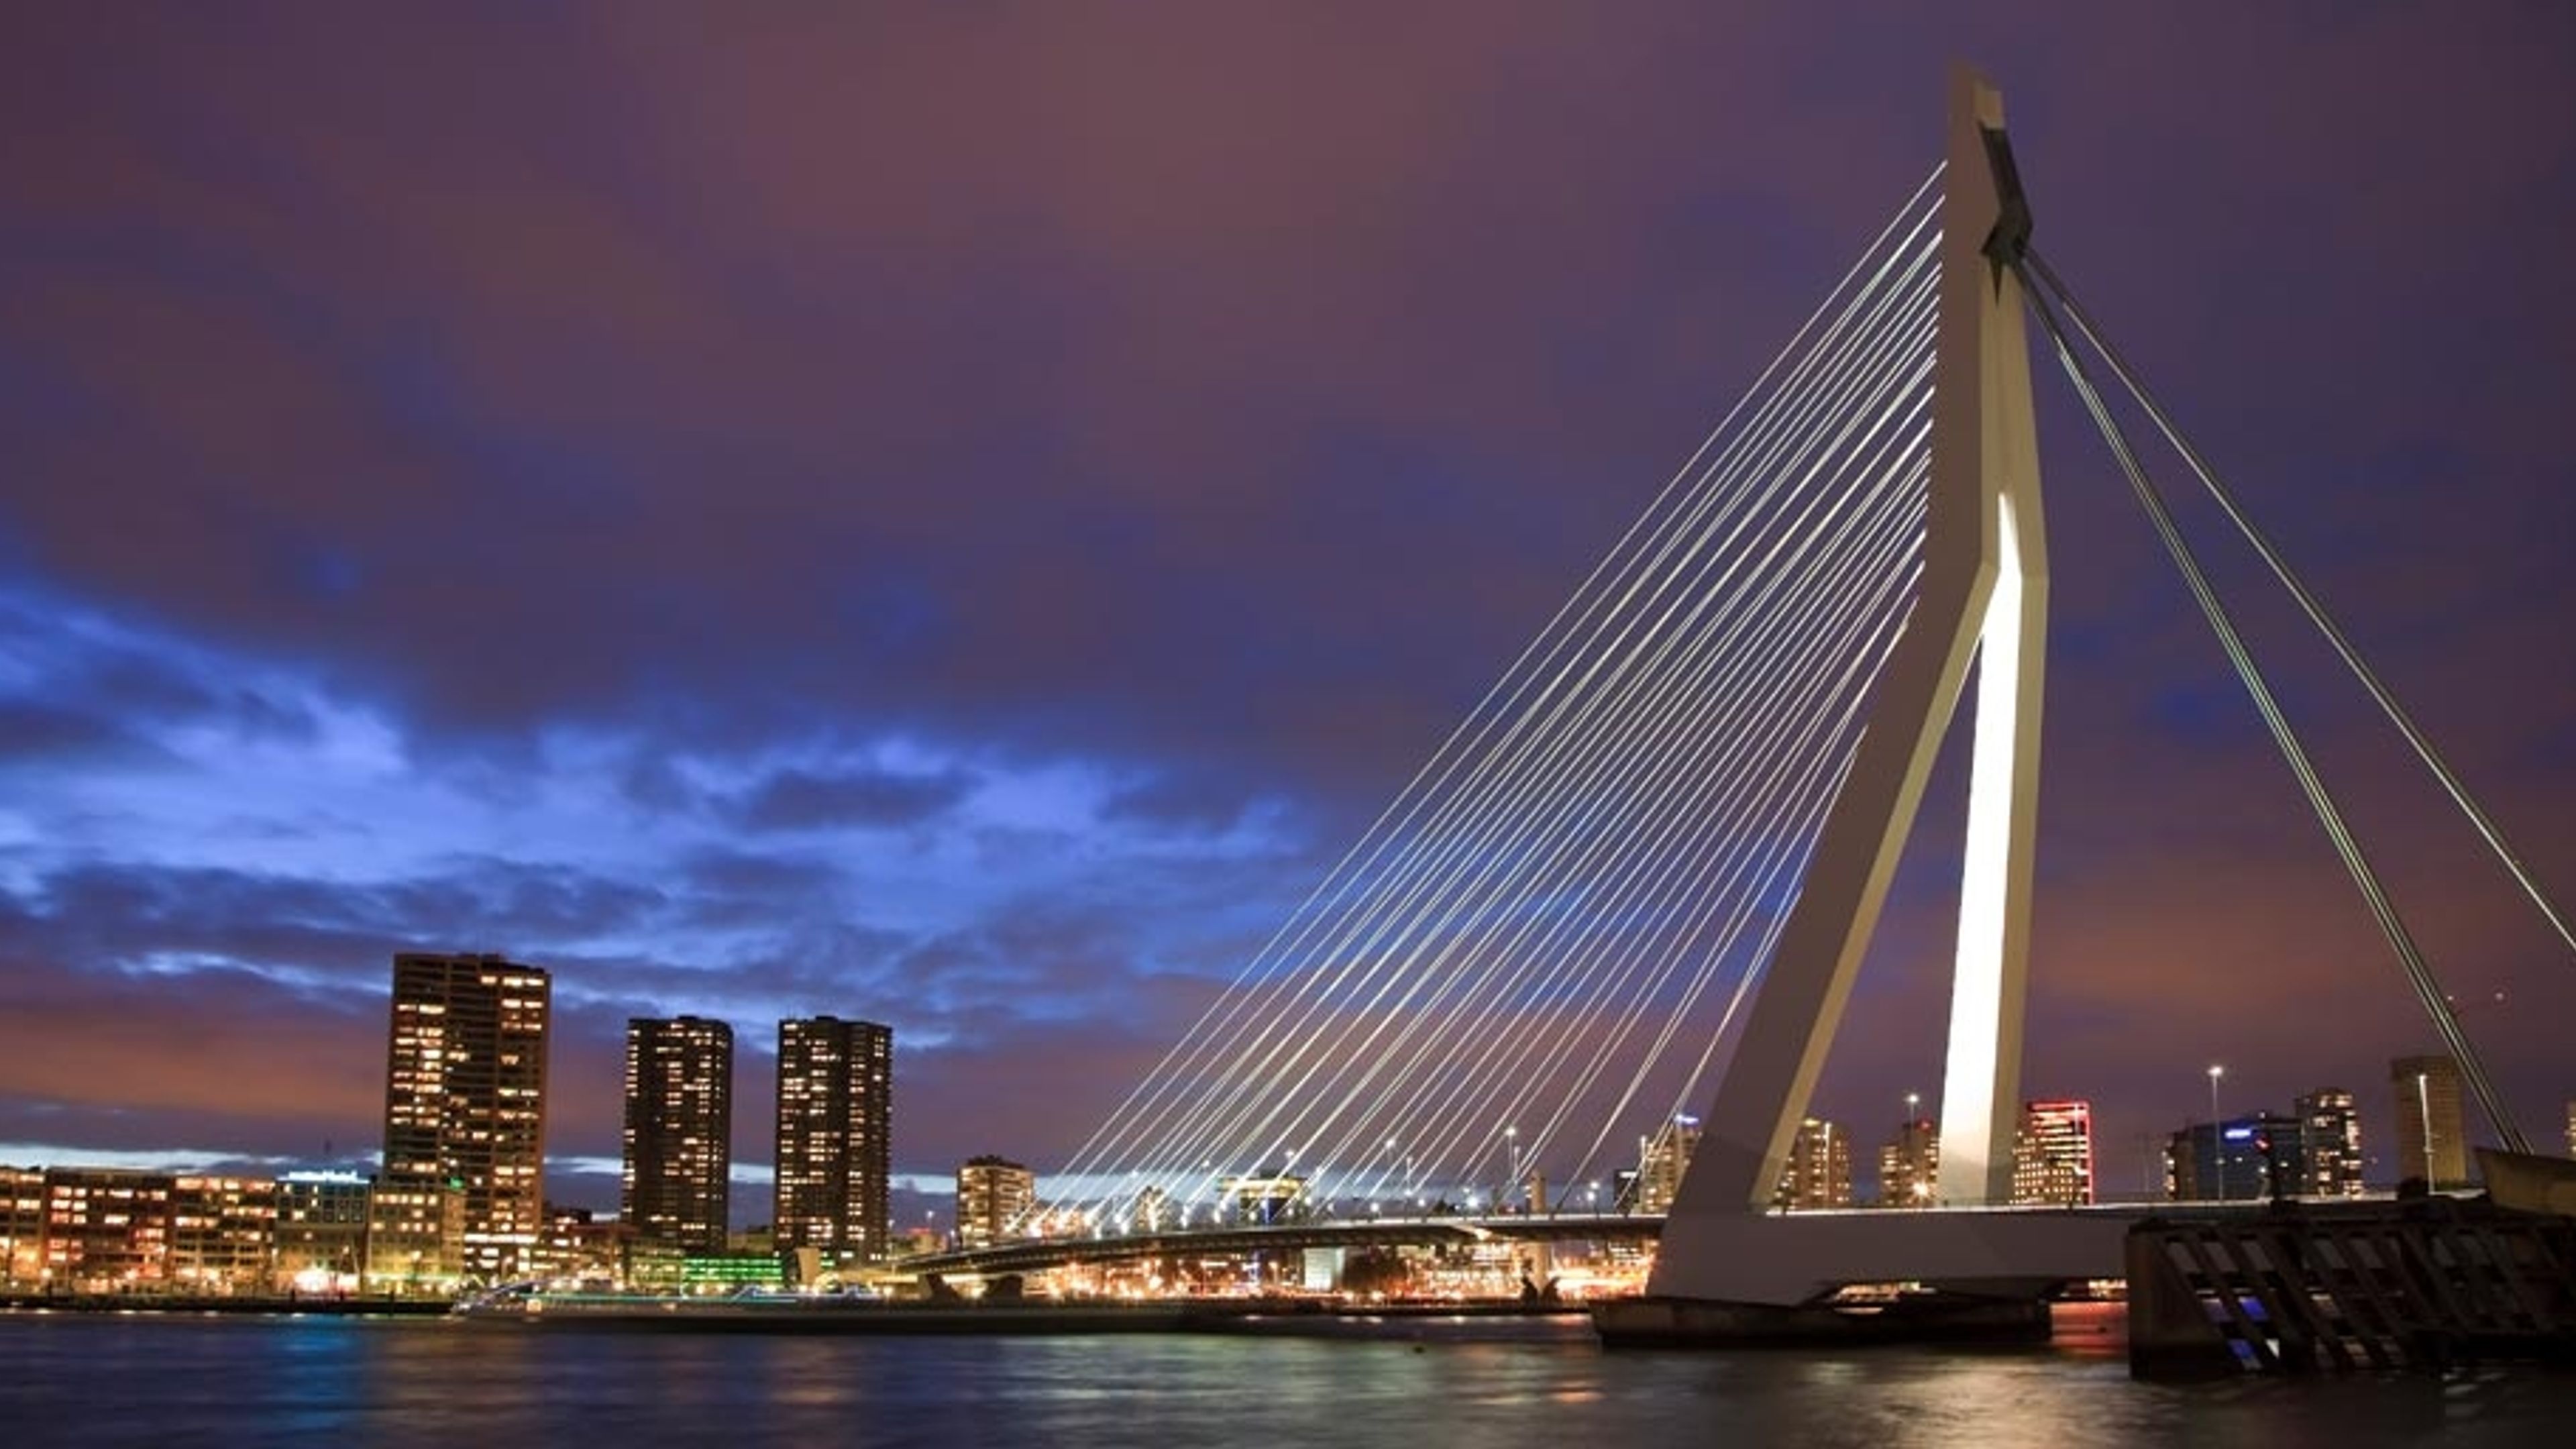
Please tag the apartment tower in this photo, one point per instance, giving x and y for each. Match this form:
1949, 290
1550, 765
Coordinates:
835, 1083
679, 1132
465, 1118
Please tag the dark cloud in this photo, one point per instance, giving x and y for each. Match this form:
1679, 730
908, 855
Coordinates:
35, 733
134, 924
877, 799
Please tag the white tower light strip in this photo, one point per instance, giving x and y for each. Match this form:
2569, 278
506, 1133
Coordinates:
1984, 600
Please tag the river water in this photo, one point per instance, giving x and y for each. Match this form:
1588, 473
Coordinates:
146, 1379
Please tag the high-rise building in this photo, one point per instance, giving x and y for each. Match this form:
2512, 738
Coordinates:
994, 1199
2053, 1154
1819, 1171
465, 1108
1909, 1166
835, 1083
2571, 1128
679, 1131
1661, 1161
22, 1226
2432, 1132
2329, 1144
223, 1232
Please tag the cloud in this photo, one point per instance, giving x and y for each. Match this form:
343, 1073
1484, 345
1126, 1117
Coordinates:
32, 734
875, 799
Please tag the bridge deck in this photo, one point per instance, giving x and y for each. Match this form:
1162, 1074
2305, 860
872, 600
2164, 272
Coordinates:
1039, 1254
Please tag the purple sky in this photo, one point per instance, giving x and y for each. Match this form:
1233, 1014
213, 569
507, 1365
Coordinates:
958, 519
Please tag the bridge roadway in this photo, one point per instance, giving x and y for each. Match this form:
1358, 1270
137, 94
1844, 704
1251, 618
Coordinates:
1767, 1257
1034, 1255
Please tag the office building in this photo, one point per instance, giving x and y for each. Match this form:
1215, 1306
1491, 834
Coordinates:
835, 1083
223, 1233
2432, 1132
321, 1232
2053, 1154
2329, 1144
1661, 1161
1909, 1166
2571, 1129
107, 1230
679, 1131
1819, 1172
996, 1200
2243, 1159
22, 1226
465, 1107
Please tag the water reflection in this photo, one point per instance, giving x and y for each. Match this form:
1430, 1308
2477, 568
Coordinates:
140, 1380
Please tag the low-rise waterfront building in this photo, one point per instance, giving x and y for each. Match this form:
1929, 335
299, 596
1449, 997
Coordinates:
415, 1238
580, 1248
107, 1230
321, 1233
22, 1227
223, 1234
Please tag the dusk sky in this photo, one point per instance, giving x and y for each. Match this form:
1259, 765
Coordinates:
958, 514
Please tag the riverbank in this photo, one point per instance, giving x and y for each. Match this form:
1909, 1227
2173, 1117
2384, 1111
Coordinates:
828, 1315
262, 1306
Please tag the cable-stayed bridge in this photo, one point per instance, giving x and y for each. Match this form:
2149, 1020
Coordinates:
1636, 882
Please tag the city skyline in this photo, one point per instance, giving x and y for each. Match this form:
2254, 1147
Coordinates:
749, 565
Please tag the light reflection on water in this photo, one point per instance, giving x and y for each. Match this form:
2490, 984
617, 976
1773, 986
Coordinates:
144, 1380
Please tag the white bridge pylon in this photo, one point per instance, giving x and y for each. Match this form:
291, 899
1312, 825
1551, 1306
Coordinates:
1984, 600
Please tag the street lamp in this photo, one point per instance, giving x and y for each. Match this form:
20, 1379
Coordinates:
2217, 1134
2424, 1113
